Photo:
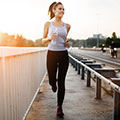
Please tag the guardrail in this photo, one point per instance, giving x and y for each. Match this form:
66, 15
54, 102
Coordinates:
77, 64
98, 49
22, 71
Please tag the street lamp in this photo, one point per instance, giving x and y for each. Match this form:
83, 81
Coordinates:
98, 14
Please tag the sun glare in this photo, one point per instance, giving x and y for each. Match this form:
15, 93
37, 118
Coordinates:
10, 16
22, 18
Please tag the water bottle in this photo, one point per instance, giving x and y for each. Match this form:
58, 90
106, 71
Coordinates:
54, 41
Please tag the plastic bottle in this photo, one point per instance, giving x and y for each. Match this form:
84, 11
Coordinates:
54, 41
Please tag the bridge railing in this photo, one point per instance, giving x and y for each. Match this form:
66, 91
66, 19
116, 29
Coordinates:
22, 71
80, 65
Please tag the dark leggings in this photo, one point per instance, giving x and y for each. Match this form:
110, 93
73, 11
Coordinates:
58, 60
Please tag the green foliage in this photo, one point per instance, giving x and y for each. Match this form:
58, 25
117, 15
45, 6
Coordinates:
114, 35
113, 38
29, 43
90, 42
76, 43
38, 43
20, 41
12, 40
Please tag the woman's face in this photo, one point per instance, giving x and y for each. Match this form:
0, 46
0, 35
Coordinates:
59, 11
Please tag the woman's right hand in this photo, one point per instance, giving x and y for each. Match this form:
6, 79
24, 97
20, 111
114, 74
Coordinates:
54, 36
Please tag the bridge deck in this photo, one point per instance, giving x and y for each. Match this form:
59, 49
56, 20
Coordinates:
79, 103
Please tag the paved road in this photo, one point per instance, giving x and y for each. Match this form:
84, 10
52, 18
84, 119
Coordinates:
79, 104
98, 55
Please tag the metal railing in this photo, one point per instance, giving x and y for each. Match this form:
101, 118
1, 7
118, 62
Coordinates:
22, 71
79, 65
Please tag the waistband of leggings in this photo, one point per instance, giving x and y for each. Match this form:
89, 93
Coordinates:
64, 51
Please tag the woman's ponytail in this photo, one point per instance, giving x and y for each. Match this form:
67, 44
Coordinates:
50, 10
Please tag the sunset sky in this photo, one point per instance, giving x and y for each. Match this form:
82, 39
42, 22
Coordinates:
86, 17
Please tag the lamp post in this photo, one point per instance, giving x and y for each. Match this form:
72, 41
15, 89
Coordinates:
98, 40
98, 14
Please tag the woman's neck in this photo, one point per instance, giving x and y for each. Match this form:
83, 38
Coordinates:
57, 20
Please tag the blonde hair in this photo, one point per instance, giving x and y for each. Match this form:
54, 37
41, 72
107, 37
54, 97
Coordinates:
51, 7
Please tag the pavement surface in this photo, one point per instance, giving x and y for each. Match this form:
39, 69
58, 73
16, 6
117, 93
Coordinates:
79, 102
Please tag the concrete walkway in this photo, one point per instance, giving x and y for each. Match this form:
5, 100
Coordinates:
79, 103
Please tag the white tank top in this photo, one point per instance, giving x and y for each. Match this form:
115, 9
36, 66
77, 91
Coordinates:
59, 43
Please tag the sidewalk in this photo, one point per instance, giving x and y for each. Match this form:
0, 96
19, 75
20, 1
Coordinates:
79, 103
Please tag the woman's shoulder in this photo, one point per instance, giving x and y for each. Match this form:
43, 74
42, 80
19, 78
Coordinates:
68, 25
47, 23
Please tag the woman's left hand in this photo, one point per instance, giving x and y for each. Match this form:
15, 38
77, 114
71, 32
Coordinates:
67, 44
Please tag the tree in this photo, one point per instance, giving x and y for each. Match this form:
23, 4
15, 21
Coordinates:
29, 43
114, 35
20, 41
38, 43
108, 42
114, 38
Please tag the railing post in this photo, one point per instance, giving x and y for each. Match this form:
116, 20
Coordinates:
82, 73
88, 78
116, 113
78, 68
98, 88
73, 64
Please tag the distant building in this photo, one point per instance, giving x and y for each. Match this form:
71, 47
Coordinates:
100, 36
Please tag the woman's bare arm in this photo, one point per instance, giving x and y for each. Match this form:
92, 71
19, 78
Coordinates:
45, 38
68, 29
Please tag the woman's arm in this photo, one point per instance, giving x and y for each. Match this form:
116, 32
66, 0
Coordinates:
67, 44
68, 28
45, 38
